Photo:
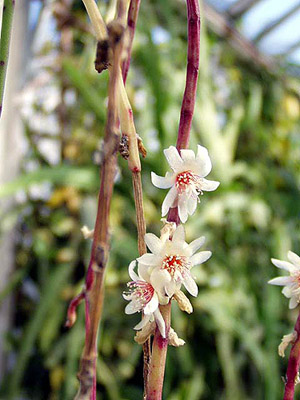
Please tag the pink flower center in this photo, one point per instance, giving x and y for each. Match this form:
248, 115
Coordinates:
187, 179
296, 278
174, 264
142, 291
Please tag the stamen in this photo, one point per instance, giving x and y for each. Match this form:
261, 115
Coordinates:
187, 181
141, 291
296, 277
175, 264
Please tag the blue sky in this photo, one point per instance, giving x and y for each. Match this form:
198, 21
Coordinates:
261, 15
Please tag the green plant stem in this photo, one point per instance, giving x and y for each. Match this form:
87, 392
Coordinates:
7, 18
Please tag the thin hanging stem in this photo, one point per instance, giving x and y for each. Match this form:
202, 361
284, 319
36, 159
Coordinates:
158, 358
128, 130
293, 365
133, 13
160, 345
135, 167
7, 18
100, 246
192, 72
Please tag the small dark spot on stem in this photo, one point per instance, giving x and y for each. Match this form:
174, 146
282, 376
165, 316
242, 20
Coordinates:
124, 146
100, 257
2, 63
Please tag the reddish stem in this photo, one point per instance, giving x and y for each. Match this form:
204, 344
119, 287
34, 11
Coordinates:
158, 359
100, 246
132, 17
72, 315
133, 13
293, 365
160, 345
189, 97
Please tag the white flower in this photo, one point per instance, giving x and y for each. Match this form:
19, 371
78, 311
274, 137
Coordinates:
170, 263
143, 297
291, 283
186, 181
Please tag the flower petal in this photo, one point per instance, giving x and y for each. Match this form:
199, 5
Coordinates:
281, 280
169, 200
294, 258
131, 272
160, 323
153, 243
209, 186
152, 305
171, 288
190, 285
159, 278
192, 204
287, 291
127, 296
284, 265
200, 258
187, 155
161, 182
148, 259
293, 302
182, 208
179, 234
203, 161
173, 158
196, 244
143, 271
144, 321
132, 307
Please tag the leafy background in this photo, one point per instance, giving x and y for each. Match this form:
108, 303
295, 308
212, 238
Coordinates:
248, 117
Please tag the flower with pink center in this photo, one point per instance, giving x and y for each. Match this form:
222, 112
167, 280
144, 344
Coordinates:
143, 297
291, 283
187, 181
169, 263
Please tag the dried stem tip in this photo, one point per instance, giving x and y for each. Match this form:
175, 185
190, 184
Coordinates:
102, 56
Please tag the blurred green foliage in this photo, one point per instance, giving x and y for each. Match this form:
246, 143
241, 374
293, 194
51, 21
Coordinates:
249, 120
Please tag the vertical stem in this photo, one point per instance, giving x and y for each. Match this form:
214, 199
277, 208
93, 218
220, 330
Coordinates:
141, 228
7, 17
96, 19
160, 345
158, 358
293, 365
189, 97
136, 167
138, 199
133, 13
100, 246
